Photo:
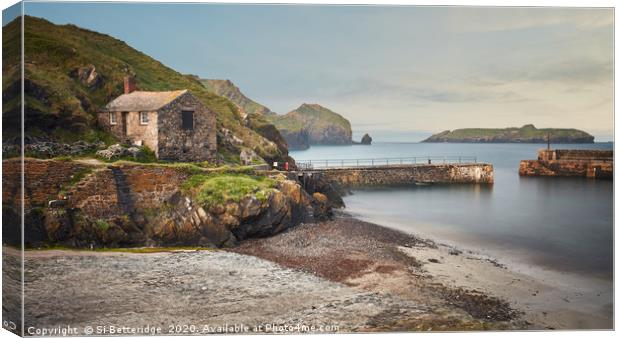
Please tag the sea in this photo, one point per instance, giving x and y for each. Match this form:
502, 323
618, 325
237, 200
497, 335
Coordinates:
552, 223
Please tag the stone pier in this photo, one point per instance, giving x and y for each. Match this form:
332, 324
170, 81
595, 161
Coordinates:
407, 174
585, 163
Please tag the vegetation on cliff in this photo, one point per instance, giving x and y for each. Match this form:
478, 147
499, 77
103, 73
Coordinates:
228, 90
71, 72
314, 124
222, 188
526, 134
306, 125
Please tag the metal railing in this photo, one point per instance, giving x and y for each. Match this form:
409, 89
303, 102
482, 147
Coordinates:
380, 162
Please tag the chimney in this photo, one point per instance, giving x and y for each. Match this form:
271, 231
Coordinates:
129, 84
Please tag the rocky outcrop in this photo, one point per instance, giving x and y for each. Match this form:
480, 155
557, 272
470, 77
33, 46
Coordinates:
316, 182
80, 205
526, 134
87, 75
314, 123
366, 139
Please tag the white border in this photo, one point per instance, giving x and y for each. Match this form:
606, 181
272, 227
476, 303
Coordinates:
489, 3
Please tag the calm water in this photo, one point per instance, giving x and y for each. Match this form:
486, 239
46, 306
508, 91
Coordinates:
563, 224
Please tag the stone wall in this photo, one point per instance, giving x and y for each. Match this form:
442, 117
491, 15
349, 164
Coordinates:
178, 144
44, 179
143, 134
574, 154
410, 174
570, 162
580, 168
103, 121
118, 190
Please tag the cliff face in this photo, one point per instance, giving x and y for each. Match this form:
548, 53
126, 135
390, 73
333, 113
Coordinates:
313, 124
298, 140
228, 90
526, 134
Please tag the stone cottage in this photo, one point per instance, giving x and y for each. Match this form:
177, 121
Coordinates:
174, 124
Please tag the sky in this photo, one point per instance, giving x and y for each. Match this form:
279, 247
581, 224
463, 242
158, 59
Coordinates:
398, 72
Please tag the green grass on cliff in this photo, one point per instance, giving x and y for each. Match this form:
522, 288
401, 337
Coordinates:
228, 90
218, 189
61, 106
309, 116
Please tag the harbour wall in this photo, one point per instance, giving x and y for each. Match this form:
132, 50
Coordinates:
565, 163
408, 174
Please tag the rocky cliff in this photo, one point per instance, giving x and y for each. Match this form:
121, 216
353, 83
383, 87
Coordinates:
312, 124
228, 90
526, 134
122, 205
71, 72
306, 125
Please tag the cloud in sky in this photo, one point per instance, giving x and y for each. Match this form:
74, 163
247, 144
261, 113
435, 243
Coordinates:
424, 68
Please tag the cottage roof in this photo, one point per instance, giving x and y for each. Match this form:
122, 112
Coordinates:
143, 101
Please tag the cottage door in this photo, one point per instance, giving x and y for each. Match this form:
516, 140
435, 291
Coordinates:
124, 122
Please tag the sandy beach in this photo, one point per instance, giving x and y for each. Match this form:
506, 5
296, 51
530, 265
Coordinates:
343, 275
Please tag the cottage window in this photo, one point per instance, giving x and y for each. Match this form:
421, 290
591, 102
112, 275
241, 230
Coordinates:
187, 117
144, 117
112, 118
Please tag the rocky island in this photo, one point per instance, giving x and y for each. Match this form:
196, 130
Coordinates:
526, 134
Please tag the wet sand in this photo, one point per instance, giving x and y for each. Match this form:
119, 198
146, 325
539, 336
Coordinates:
375, 258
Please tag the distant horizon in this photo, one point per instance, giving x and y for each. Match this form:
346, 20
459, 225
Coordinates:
483, 67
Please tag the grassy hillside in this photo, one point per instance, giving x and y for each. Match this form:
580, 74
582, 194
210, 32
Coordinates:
228, 90
71, 72
526, 134
312, 124
311, 116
